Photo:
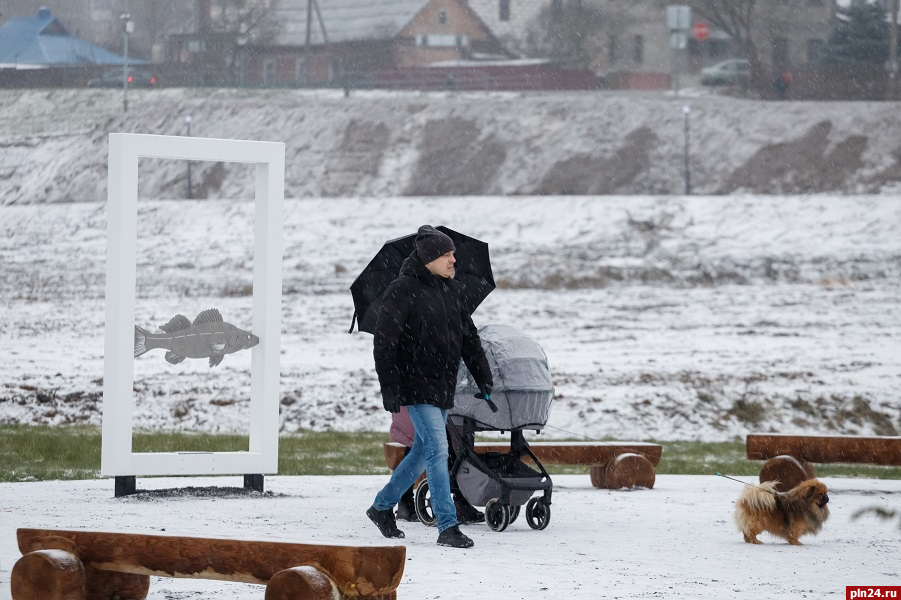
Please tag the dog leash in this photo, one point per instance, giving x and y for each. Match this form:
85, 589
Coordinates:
746, 483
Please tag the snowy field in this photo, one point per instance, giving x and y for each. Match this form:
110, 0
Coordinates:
677, 540
662, 318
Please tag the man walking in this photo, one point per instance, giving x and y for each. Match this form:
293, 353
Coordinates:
421, 334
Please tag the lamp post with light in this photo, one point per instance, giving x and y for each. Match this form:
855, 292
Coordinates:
128, 27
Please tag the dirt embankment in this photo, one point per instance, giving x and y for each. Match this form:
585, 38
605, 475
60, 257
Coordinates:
393, 144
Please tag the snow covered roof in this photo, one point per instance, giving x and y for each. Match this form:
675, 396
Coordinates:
344, 20
42, 41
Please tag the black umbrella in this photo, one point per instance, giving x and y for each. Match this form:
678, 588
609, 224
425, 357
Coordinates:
473, 272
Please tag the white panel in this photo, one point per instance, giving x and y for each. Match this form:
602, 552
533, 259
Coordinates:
198, 463
678, 18
117, 458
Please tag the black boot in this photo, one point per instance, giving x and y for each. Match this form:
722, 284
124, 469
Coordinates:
466, 512
406, 508
384, 519
454, 538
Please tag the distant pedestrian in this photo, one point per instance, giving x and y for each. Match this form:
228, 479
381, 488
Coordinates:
782, 80
422, 332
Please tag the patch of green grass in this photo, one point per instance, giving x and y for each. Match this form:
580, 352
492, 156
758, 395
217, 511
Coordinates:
40, 453
44, 453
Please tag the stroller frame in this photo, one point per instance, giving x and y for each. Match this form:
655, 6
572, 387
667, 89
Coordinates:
516, 480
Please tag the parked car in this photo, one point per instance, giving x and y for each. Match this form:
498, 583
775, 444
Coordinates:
139, 78
735, 71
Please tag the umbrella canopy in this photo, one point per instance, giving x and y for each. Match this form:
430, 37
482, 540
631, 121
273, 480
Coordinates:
473, 273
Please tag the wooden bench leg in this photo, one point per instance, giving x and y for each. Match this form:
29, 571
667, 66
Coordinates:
626, 470
306, 582
107, 585
48, 575
787, 470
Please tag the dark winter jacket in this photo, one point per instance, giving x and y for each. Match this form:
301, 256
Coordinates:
421, 334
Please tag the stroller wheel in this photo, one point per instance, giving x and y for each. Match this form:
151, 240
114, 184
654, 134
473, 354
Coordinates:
538, 513
514, 512
423, 502
497, 516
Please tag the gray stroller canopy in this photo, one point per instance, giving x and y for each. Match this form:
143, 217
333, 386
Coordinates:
523, 391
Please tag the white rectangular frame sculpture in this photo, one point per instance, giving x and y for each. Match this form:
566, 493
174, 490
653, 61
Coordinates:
117, 458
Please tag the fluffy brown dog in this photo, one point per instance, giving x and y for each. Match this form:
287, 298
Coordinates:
789, 515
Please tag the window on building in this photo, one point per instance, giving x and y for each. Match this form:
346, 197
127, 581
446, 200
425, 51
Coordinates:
639, 49
300, 70
612, 49
504, 10
780, 52
269, 71
814, 49
442, 17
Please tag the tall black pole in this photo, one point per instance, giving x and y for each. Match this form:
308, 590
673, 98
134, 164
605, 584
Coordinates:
687, 110
190, 191
893, 51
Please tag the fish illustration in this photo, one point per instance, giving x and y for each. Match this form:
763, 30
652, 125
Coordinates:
208, 336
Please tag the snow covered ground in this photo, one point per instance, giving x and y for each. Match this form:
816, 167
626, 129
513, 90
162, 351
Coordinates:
677, 540
662, 317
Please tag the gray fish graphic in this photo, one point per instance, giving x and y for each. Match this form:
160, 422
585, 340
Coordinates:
208, 336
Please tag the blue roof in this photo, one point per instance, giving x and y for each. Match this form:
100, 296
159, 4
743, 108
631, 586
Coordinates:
42, 41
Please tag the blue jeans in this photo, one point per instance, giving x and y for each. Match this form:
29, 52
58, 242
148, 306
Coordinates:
429, 452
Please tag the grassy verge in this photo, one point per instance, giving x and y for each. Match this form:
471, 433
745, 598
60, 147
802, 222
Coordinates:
36, 453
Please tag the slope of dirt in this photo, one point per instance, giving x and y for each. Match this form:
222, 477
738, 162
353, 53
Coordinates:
380, 144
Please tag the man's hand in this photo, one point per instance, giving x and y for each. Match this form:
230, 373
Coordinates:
485, 394
391, 403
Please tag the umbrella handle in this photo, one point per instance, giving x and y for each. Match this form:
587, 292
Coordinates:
352, 321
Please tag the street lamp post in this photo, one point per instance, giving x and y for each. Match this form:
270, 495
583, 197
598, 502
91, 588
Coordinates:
188, 120
893, 50
128, 27
686, 111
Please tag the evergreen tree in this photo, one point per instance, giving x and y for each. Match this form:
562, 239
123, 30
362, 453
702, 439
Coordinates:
861, 35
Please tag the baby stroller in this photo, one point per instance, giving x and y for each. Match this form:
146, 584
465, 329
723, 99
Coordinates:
500, 481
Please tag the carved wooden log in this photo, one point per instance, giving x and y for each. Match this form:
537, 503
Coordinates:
103, 585
556, 453
394, 453
371, 571
624, 471
826, 449
305, 582
48, 575
787, 470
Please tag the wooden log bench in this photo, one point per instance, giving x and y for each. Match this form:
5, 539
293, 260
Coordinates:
88, 565
789, 457
614, 465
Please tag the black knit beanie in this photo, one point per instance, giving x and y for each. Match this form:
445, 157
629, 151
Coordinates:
431, 243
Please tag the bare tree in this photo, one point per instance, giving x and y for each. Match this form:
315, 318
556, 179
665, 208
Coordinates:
245, 20
225, 28
568, 32
735, 18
